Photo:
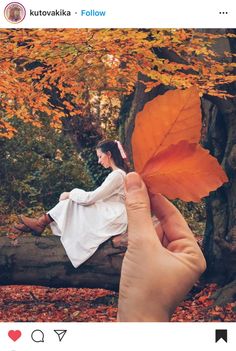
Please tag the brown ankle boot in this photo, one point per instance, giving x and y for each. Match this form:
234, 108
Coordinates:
38, 225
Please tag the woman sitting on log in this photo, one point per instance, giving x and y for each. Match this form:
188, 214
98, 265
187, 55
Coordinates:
85, 219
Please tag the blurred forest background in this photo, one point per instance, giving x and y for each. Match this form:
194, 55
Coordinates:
63, 90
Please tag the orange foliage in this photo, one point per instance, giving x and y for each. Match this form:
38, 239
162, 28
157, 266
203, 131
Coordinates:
166, 151
78, 64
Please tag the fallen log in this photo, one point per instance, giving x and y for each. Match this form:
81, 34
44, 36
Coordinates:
29, 260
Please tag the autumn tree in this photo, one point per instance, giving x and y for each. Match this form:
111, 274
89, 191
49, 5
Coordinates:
82, 79
61, 73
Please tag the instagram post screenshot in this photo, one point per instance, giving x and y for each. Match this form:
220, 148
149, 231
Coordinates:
117, 175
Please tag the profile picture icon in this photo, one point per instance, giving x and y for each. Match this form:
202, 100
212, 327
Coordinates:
14, 12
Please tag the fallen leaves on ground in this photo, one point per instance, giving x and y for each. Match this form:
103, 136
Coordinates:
40, 304
25, 303
201, 308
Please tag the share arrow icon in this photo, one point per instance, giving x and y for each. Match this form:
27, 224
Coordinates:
60, 333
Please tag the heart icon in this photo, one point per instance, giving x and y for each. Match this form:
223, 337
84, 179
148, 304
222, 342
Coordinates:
14, 334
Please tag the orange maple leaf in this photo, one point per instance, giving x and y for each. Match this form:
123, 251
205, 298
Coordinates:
166, 149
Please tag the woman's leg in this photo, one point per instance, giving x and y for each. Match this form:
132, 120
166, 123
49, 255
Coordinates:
37, 226
34, 225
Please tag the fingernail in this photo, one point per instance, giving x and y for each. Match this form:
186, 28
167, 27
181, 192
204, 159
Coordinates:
133, 182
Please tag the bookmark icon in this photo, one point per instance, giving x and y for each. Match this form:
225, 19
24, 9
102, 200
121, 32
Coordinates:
221, 334
60, 333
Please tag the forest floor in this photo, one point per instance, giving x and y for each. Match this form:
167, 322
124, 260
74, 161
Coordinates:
40, 304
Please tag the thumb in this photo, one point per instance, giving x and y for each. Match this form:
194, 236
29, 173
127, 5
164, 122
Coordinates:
140, 225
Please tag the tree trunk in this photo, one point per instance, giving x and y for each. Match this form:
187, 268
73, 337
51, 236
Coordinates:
225, 295
220, 236
43, 261
220, 138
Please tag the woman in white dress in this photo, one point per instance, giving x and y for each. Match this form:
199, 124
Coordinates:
85, 219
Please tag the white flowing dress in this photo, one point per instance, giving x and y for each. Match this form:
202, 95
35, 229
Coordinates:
88, 218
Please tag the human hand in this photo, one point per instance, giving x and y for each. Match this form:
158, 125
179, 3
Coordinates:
161, 264
64, 196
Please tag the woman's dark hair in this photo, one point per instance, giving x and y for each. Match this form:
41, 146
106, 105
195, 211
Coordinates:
112, 146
